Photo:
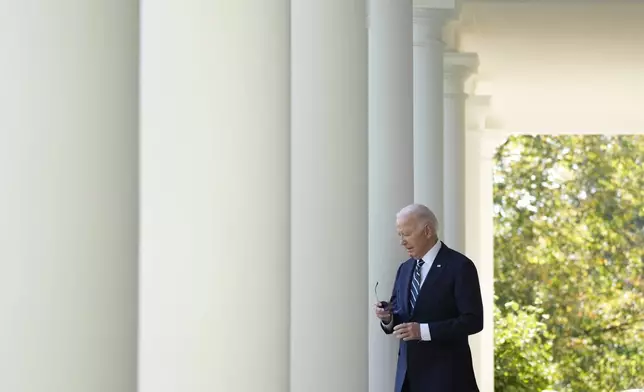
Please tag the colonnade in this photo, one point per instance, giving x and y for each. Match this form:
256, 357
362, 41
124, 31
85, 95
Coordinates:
201, 196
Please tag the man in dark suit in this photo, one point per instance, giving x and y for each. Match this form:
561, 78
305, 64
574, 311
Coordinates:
435, 305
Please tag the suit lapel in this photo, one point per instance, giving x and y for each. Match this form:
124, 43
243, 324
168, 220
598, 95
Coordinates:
407, 272
438, 266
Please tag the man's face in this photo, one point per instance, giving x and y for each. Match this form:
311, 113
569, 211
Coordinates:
414, 236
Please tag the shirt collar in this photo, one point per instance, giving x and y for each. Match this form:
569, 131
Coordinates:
432, 253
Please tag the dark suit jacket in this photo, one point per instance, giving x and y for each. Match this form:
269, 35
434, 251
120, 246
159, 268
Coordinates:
450, 302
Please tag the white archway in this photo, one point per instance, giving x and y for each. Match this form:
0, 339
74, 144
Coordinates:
546, 68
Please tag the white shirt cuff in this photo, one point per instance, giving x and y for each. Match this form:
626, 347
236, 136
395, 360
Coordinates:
424, 332
389, 325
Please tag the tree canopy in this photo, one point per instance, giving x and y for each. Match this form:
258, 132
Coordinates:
569, 263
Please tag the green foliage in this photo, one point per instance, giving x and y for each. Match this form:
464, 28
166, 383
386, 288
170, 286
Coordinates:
569, 254
523, 350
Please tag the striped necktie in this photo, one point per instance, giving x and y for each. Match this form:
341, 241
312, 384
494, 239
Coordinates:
415, 284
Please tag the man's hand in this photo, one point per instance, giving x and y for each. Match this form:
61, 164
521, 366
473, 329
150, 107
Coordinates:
407, 331
384, 314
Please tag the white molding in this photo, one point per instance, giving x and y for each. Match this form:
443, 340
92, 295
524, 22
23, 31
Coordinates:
615, 132
468, 61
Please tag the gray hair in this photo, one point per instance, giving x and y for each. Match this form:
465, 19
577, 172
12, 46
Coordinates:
423, 215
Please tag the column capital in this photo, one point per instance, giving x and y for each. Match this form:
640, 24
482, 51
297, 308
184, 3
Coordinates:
429, 24
451, 34
457, 68
438, 4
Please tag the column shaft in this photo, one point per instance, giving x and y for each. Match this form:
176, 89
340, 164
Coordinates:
329, 272
215, 196
454, 174
391, 163
68, 269
485, 265
428, 107
458, 67
479, 231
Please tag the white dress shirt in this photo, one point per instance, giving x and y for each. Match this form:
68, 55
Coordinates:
429, 258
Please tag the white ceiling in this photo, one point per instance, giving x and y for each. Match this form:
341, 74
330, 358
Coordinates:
559, 66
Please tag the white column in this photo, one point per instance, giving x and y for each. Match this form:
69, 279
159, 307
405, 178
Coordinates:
458, 67
391, 163
486, 263
68, 196
428, 107
215, 196
329, 271
481, 146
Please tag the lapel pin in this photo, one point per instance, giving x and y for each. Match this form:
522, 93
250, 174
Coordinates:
438, 266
